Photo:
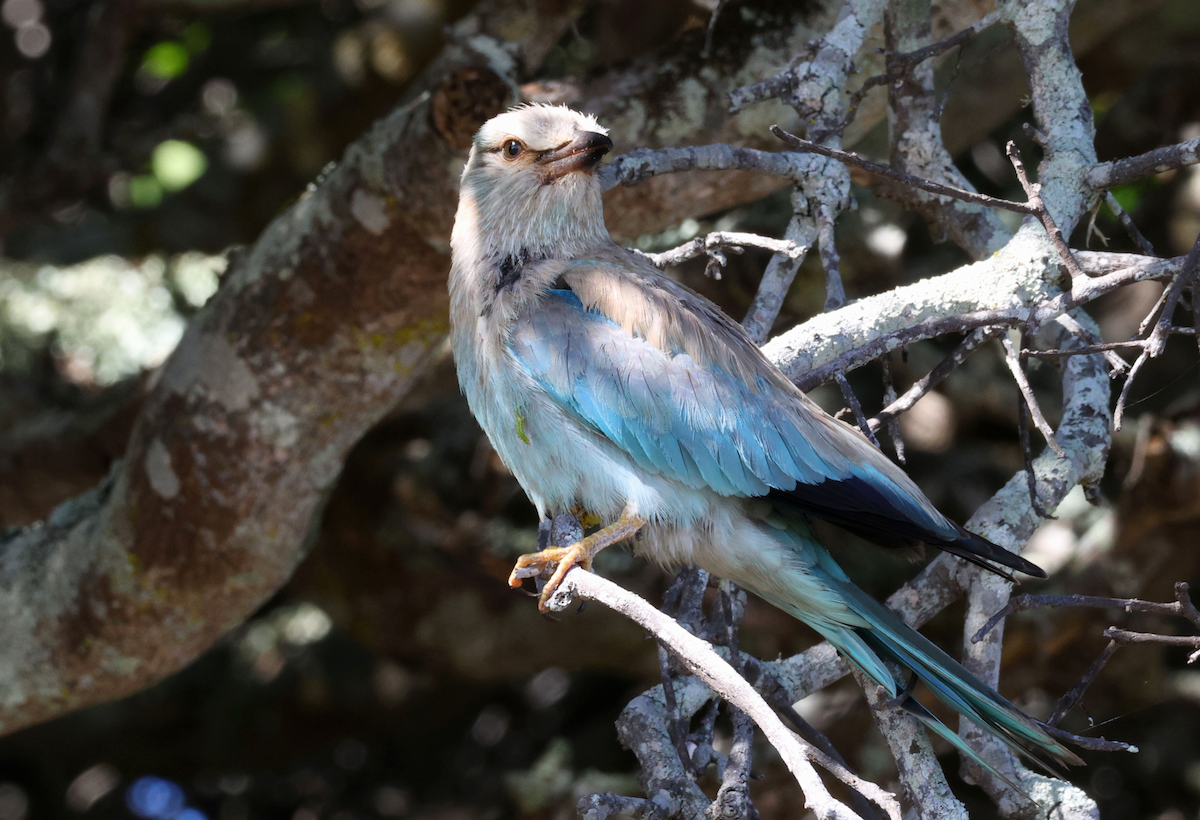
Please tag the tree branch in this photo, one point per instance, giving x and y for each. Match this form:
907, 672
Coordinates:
716, 673
1121, 171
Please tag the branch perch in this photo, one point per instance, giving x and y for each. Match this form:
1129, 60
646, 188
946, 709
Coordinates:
711, 668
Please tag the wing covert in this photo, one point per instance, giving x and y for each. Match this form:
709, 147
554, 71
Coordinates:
696, 424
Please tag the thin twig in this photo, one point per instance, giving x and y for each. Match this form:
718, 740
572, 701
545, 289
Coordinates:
1157, 341
1027, 454
859, 161
889, 396
1124, 636
713, 243
900, 64
961, 37
1126, 389
1015, 366
1023, 410
1068, 321
1090, 743
1182, 606
1075, 694
852, 400
1172, 295
712, 24
1095, 744
856, 99
1033, 193
1136, 235
939, 373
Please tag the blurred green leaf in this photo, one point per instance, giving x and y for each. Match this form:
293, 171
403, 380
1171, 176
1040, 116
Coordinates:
145, 191
197, 37
177, 164
1103, 102
290, 89
166, 60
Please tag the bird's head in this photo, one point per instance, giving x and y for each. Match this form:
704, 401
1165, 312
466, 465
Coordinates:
530, 184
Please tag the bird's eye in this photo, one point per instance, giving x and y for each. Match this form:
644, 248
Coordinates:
512, 149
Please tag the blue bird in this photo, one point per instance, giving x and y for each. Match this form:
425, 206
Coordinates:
606, 387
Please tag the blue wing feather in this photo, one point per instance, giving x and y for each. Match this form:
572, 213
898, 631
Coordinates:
737, 430
696, 424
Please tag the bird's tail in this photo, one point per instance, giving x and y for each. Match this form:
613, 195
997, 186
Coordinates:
870, 636
890, 638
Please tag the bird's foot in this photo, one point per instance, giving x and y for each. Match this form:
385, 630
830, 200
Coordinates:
554, 563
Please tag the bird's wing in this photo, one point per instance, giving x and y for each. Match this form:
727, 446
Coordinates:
668, 377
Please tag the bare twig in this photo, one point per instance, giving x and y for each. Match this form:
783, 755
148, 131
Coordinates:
1103, 347
1068, 321
1095, 744
1182, 606
1016, 367
889, 396
859, 161
959, 38
1033, 192
1139, 239
712, 25
917, 147
1157, 342
1124, 636
856, 407
1027, 454
1118, 172
712, 244
700, 658
1127, 388
934, 377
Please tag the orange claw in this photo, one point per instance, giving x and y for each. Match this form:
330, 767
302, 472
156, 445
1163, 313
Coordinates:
581, 553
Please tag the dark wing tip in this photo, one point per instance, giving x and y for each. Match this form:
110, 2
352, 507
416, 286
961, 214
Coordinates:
978, 546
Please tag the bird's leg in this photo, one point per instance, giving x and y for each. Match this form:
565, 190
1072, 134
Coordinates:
564, 559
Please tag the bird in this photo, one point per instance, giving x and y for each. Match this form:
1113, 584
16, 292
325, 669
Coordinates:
609, 389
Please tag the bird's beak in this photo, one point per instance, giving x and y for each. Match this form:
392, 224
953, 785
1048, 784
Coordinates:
580, 154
